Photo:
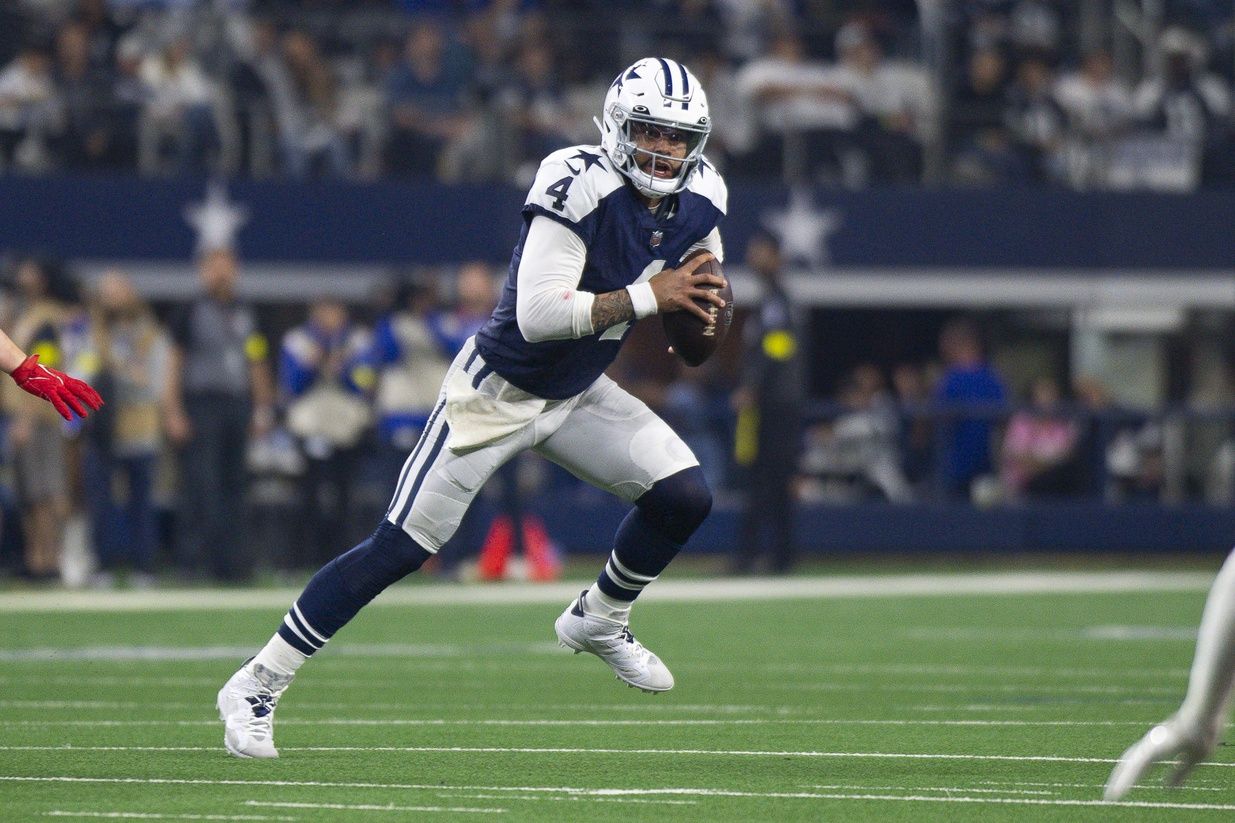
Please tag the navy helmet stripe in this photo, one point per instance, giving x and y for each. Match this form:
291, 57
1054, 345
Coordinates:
685, 80
664, 64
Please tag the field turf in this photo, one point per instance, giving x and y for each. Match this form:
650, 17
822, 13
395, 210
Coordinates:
961, 706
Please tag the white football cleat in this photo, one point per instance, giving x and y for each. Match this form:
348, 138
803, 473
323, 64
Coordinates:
1166, 741
613, 643
246, 706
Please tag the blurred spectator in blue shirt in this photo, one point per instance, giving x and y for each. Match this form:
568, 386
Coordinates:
967, 381
425, 94
324, 377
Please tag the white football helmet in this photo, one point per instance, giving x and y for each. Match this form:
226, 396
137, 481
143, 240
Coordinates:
662, 97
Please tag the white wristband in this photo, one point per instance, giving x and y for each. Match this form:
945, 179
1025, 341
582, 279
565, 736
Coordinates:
643, 299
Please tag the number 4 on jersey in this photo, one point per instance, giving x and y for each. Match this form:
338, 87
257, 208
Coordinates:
559, 191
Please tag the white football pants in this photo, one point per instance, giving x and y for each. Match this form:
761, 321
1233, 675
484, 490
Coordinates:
602, 435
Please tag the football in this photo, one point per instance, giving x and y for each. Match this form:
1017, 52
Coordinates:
693, 340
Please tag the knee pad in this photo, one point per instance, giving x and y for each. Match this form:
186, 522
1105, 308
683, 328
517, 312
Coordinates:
678, 504
387, 556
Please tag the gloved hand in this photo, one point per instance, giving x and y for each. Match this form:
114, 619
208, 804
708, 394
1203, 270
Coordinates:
56, 387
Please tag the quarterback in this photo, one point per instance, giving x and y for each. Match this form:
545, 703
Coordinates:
605, 230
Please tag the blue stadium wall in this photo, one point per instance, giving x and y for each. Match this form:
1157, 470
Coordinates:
1022, 231
332, 222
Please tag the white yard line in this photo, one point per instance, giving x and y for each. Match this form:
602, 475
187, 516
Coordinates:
579, 750
588, 722
667, 591
371, 807
651, 792
631, 800
159, 816
1189, 787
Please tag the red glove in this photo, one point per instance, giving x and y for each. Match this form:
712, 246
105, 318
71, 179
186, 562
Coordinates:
56, 388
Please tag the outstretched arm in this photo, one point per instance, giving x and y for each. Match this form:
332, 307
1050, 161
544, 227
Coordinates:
67, 394
1191, 734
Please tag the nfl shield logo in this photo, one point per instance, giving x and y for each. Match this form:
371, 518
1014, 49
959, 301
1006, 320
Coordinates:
656, 236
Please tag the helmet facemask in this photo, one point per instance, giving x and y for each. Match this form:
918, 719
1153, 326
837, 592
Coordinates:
637, 128
642, 107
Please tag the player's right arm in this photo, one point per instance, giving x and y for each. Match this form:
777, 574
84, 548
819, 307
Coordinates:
550, 306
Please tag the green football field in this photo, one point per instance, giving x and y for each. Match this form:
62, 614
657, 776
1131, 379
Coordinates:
969, 697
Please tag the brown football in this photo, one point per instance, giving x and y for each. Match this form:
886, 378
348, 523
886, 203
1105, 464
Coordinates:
693, 340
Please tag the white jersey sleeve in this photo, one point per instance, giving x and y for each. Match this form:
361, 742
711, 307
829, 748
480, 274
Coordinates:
548, 303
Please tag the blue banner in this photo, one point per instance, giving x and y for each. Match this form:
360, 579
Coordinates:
335, 222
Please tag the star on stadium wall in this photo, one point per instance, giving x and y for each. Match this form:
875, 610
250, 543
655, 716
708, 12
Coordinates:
804, 230
216, 219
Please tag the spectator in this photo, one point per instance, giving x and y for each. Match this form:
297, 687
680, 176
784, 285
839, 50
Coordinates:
178, 123
129, 97
27, 109
967, 393
475, 298
308, 110
129, 356
1098, 107
917, 436
1039, 455
535, 108
1097, 103
861, 446
412, 360
1182, 103
978, 135
85, 90
689, 406
219, 389
806, 113
1036, 121
1136, 463
894, 101
324, 378
425, 96
769, 406
732, 130
47, 316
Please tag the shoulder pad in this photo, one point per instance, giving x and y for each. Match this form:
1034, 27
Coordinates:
707, 182
571, 182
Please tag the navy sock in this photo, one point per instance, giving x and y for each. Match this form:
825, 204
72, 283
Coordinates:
346, 584
654, 532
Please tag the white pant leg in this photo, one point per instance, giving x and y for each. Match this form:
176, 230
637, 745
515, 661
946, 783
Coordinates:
615, 442
436, 485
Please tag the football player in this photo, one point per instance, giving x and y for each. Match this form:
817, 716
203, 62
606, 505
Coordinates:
1191, 734
604, 230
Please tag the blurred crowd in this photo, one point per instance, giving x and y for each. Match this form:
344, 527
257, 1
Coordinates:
844, 93
239, 436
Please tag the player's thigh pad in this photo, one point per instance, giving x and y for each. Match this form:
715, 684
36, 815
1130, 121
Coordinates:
437, 485
615, 442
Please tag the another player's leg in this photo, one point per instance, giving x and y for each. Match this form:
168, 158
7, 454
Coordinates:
1190, 735
615, 442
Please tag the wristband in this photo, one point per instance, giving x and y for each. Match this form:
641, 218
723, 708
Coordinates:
642, 299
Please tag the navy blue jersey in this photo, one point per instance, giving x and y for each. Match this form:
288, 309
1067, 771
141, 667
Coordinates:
626, 243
